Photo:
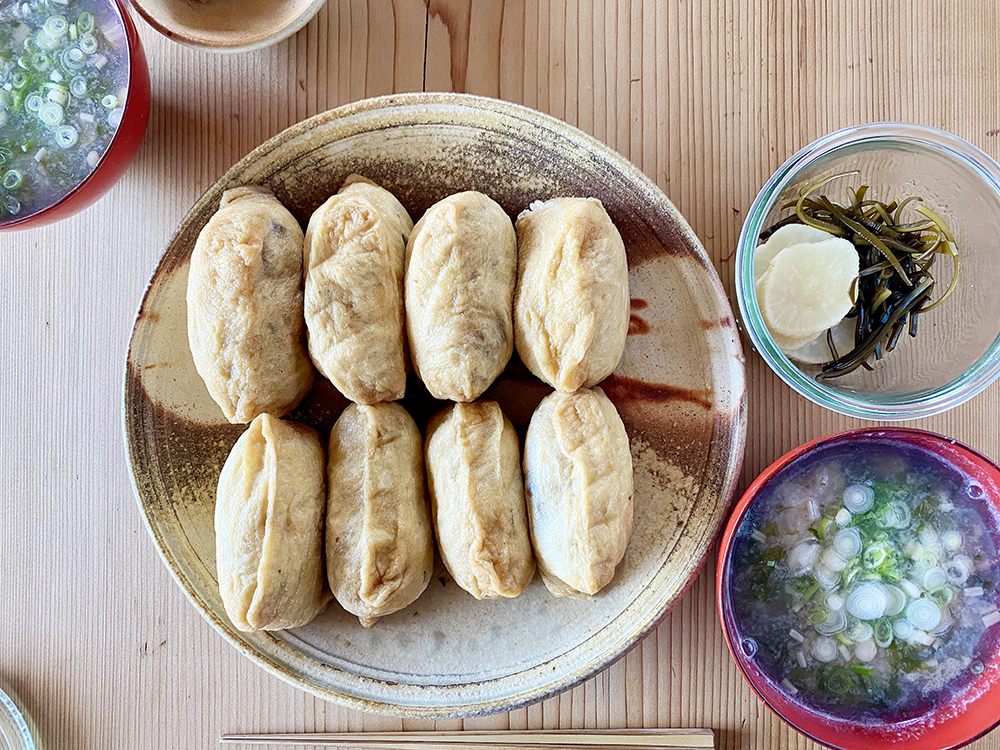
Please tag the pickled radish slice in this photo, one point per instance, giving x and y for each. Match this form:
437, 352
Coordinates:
807, 288
790, 234
785, 343
817, 350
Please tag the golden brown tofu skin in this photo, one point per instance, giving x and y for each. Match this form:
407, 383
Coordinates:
354, 249
379, 546
269, 526
244, 300
461, 265
571, 307
477, 499
578, 486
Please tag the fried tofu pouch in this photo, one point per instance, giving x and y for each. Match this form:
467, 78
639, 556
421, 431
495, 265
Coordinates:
379, 546
354, 249
244, 302
474, 479
578, 486
571, 307
269, 526
461, 265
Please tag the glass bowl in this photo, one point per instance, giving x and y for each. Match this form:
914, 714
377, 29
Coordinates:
956, 353
770, 598
14, 731
115, 30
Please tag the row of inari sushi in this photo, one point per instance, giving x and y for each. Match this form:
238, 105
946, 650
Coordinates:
361, 296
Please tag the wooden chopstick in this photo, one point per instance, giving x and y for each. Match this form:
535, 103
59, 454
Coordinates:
543, 739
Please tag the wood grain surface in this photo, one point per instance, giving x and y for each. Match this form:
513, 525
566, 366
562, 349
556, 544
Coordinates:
707, 98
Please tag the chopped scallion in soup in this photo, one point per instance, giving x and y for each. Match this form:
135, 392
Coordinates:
866, 581
63, 79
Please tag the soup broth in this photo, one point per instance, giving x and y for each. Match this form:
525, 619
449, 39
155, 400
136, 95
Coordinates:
63, 81
865, 581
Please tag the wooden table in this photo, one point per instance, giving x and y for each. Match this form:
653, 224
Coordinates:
707, 98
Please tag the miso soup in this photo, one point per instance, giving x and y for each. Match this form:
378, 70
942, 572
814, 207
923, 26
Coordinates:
63, 83
864, 581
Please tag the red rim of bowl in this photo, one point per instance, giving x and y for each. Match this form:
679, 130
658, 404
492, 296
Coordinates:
954, 724
124, 144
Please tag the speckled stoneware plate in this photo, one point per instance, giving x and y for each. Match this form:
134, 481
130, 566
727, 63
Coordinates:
679, 388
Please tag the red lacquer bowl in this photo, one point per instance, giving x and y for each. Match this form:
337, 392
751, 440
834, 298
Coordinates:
123, 147
967, 714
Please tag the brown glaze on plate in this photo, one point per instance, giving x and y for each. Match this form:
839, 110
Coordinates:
679, 388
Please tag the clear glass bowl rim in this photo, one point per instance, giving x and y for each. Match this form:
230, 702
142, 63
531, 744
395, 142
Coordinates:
922, 404
14, 715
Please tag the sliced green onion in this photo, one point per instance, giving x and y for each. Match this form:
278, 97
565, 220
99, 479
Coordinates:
897, 600
833, 560
832, 623
875, 555
927, 560
51, 114
894, 515
56, 26
840, 681
67, 136
902, 629
818, 616
883, 633
74, 58
85, 22
934, 578
46, 40
923, 614
860, 631
88, 44
959, 569
110, 101
951, 540
33, 103
847, 542
825, 577
843, 517
977, 667
858, 498
823, 527
868, 601
12, 179
78, 86
824, 649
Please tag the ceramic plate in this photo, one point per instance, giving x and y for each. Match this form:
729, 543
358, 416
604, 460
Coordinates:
679, 388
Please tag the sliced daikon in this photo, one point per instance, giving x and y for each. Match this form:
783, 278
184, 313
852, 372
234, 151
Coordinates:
817, 350
790, 234
808, 287
785, 343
